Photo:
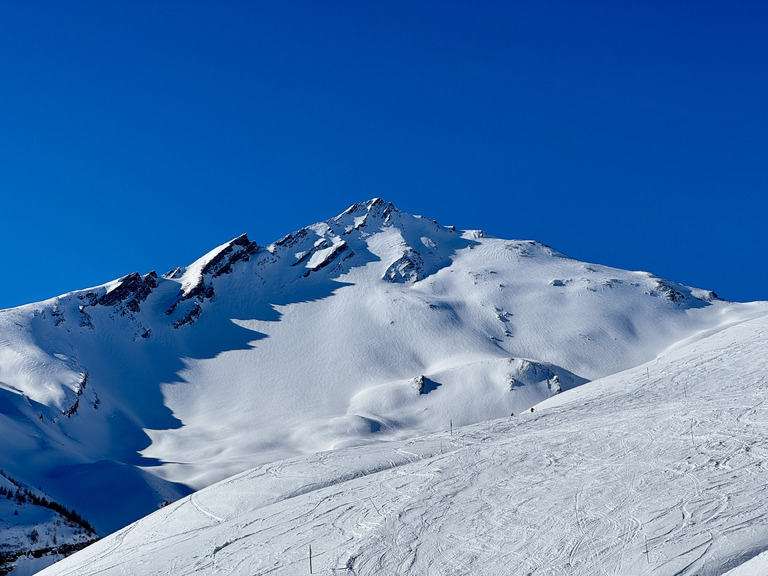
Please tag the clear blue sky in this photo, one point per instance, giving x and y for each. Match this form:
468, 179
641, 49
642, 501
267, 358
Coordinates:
139, 135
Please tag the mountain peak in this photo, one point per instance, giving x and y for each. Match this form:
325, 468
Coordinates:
375, 207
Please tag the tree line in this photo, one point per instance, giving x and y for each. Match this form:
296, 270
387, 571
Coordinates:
23, 495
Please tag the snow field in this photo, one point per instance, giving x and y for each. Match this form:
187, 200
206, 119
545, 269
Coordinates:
659, 469
372, 326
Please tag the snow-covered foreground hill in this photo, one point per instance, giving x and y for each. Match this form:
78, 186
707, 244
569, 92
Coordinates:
660, 469
374, 325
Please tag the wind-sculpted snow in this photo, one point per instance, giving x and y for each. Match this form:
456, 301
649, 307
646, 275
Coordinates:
118, 398
660, 469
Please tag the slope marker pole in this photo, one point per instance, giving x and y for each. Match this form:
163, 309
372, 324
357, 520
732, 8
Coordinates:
692, 442
647, 553
310, 558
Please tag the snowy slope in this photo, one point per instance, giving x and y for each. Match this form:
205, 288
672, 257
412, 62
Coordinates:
660, 469
374, 325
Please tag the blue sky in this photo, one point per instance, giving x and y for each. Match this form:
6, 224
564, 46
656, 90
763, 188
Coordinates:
140, 135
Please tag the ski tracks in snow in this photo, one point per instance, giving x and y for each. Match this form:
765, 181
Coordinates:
203, 510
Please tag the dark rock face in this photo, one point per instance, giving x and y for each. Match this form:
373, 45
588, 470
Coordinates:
241, 248
335, 251
292, 239
365, 213
670, 293
377, 208
238, 250
72, 410
58, 315
190, 317
201, 291
131, 292
424, 385
407, 268
710, 296
175, 273
85, 319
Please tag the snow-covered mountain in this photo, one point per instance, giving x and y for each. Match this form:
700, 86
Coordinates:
659, 469
374, 325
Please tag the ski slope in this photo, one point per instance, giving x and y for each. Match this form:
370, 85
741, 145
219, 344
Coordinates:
659, 469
